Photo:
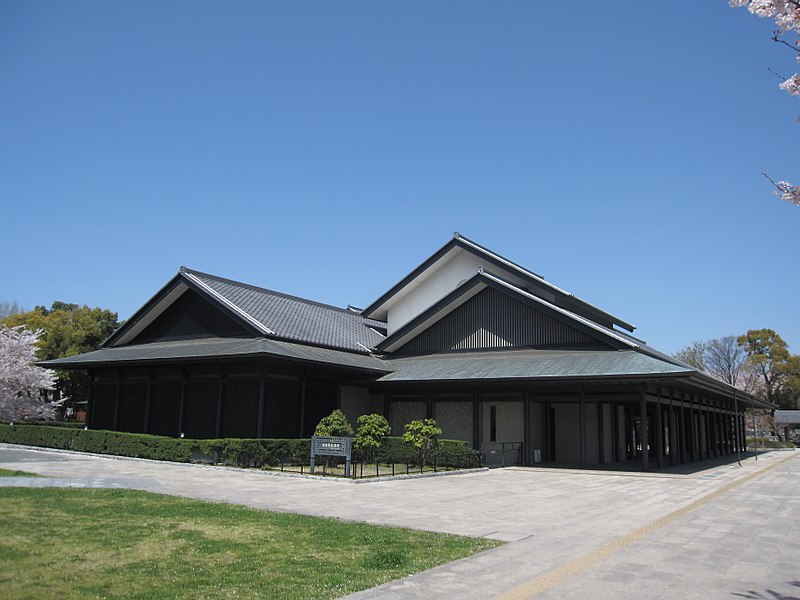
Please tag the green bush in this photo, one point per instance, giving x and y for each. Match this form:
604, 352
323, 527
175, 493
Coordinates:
232, 451
371, 431
767, 443
423, 436
334, 425
455, 453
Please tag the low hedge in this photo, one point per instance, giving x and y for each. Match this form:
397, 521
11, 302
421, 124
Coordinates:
768, 443
448, 452
230, 451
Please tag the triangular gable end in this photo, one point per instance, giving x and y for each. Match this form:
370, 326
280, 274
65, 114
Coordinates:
216, 318
493, 319
456, 261
191, 317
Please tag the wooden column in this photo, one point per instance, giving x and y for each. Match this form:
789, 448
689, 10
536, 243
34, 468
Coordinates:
643, 433
615, 433
182, 403
116, 400
659, 441
476, 422
526, 429
582, 419
681, 431
690, 430
601, 432
301, 426
671, 426
147, 401
90, 401
220, 390
262, 400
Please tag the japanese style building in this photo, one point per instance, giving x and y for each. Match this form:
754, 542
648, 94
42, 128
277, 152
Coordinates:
498, 356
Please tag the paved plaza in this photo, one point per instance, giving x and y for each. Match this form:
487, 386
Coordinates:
722, 532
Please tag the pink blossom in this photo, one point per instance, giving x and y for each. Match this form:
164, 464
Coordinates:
787, 191
792, 85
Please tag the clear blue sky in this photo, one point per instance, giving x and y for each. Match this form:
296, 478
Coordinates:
325, 149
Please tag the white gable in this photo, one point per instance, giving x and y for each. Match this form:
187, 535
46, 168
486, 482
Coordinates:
436, 282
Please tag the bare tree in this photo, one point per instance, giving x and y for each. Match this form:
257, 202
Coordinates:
725, 359
694, 355
10, 308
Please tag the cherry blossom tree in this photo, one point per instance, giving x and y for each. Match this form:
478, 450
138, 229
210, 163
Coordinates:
22, 383
786, 14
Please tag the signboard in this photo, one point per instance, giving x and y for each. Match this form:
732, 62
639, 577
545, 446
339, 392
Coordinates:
332, 446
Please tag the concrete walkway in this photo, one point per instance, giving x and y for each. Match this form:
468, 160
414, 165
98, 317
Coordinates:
724, 532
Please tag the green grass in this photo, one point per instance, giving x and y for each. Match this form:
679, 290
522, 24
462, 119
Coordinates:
8, 473
78, 543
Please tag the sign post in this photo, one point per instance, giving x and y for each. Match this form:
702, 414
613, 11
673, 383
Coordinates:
332, 446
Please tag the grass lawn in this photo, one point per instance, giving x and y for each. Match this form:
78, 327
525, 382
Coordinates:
78, 543
7, 473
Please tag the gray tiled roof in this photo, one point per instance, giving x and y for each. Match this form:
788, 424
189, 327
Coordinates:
296, 319
208, 348
528, 364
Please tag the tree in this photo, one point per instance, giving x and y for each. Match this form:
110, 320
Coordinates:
334, 425
769, 355
68, 329
423, 437
723, 358
786, 14
371, 431
9, 308
727, 360
694, 355
21, 381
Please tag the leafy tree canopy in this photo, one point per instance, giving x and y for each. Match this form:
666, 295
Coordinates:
776, 368
335, 425
371, 431
67, 329
423, 436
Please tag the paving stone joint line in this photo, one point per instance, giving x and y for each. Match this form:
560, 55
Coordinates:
534, 586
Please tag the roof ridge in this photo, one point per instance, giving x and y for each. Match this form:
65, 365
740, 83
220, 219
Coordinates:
276, 293
502, 259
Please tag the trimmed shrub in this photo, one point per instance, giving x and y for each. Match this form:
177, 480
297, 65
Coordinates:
371, 431
335, 425
423, 436
239, 452
455, 453
231, 451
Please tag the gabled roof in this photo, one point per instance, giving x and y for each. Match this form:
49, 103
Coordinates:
461, 243
480, 281
264, 312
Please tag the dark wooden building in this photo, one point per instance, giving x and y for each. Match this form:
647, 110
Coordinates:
499, 356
